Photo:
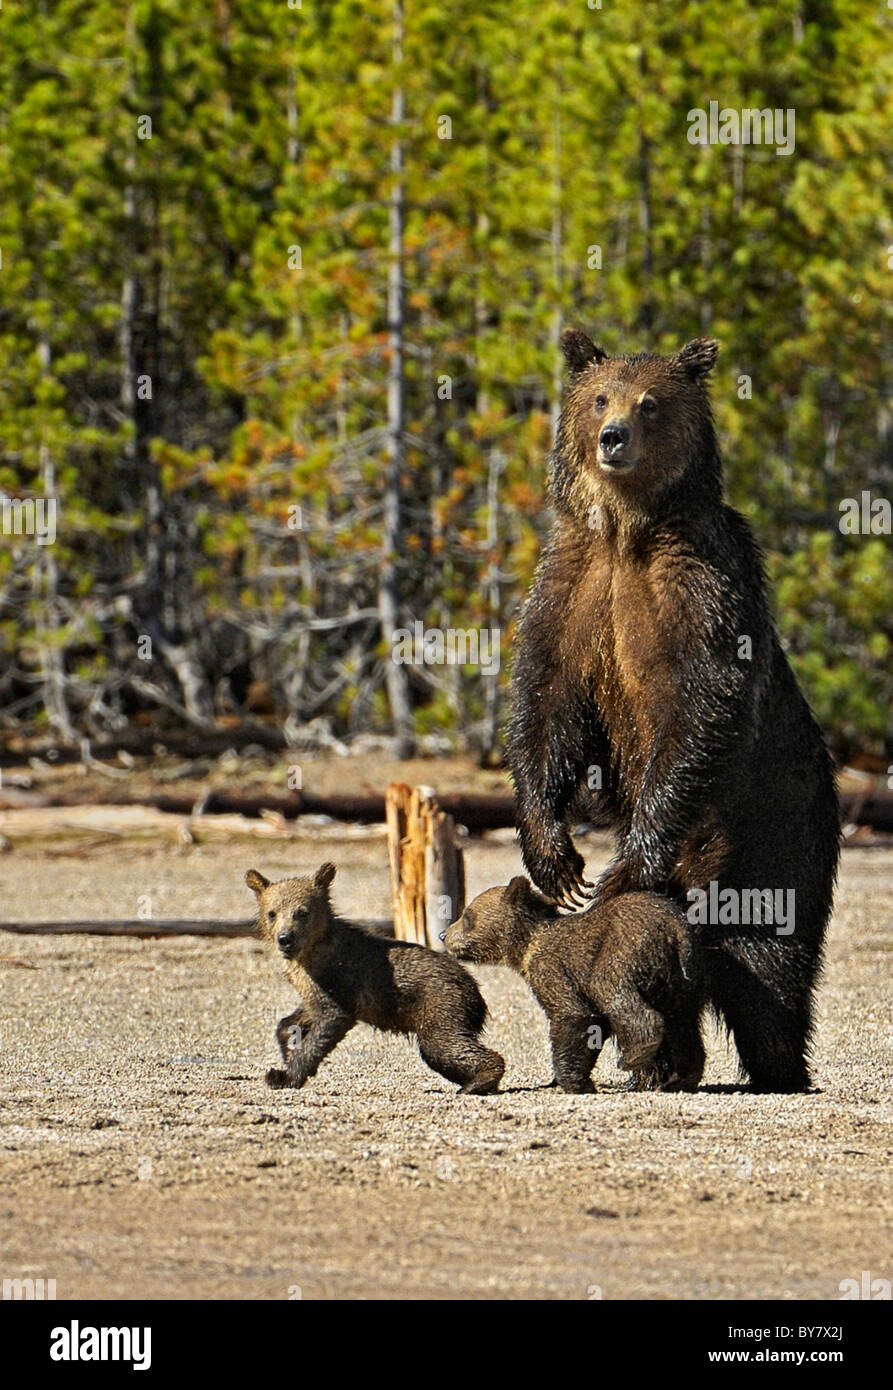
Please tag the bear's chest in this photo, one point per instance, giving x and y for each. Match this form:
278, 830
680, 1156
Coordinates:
631, 621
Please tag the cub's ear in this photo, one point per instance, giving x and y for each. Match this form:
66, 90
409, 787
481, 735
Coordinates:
256, 882
324, 875
579, 350
518, 891
697, 357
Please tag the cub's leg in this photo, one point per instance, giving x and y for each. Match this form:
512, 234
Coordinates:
576, 1040
324, 1034
461, 1058
679, 1065
290, 1030
638, 1029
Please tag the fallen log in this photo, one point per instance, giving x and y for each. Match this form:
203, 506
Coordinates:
149, 928
874, 809
16, 751
117, 822
476, 813
134, 927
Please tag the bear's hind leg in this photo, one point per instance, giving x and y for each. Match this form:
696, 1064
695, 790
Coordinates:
475, 1069
684, 1049
638, 1029
772, 1035
577, 1041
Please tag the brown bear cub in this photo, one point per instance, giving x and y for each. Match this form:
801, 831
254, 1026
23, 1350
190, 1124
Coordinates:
624, 969
347, 975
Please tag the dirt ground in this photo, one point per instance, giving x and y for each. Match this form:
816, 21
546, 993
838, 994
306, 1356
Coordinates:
142, 1157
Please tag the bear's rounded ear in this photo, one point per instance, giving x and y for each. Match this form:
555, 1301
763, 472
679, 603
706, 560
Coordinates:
256, 882
324, 875
697, 357
579, 350
518, 891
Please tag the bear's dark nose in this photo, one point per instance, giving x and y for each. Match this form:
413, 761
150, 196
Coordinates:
284, 940
614, 438
443, 935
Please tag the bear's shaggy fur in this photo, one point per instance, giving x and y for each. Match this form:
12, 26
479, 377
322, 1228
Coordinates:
648, 671
623, 969
345, 974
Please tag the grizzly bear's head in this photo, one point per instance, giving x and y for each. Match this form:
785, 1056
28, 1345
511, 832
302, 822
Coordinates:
636, 435
495, 928
294, 912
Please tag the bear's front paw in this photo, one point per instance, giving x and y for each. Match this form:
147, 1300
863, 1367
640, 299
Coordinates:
277, 1079
614, 882
558, 872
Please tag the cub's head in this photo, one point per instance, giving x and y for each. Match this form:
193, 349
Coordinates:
634, 431
493, 924
294, 911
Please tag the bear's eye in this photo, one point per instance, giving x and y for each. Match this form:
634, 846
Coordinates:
601, 402
271, 916
649, 406
299, 914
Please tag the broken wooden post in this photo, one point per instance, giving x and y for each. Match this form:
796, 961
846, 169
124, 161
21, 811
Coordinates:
427, 868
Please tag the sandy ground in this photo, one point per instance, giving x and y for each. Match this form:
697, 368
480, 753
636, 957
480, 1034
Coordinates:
142, 1157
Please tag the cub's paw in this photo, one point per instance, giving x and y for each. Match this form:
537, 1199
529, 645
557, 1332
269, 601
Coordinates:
575, 1085
638, 1057
678, 1083
476, 1087
277, 1079
485, 1083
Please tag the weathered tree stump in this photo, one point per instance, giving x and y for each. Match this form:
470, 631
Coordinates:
427, 868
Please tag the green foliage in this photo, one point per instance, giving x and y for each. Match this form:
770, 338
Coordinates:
271, 131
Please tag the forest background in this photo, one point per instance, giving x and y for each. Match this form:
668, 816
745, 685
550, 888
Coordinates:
281, 287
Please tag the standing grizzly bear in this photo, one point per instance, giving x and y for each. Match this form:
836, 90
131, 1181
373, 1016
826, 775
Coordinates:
648, 670
624, 969
346, 975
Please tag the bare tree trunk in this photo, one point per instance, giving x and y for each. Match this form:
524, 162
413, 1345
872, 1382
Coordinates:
646, 312
557, 239
158, 597
496, 463
396, 675
427, 869
51, 658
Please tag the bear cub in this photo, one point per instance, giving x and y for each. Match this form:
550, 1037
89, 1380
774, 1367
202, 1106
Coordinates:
346, 975
624, 968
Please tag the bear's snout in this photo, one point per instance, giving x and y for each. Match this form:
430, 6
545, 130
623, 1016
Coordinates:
455, 941
614, 440
285, 941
